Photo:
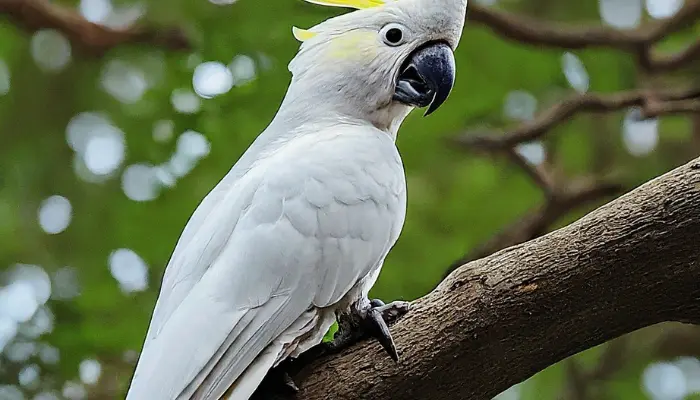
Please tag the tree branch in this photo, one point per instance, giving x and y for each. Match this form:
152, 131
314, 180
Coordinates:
497, 321
637, 42
653, 103
95, 39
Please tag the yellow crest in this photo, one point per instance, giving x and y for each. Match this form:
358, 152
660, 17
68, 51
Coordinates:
304, 34
357, 4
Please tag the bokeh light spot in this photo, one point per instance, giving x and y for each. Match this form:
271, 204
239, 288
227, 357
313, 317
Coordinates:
50, 49
55, 214
129, 270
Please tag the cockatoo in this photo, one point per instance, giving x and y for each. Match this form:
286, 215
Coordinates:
297, 231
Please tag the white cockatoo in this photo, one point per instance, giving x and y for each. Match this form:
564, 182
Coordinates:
298, 229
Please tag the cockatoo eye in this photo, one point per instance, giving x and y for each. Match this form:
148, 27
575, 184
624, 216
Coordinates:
393, 34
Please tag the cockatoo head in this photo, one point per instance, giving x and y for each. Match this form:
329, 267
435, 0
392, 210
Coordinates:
382, 60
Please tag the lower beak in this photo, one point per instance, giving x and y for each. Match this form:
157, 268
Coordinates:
427, 77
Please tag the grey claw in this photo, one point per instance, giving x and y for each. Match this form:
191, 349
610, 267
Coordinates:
393, 311
375, 303
382, 333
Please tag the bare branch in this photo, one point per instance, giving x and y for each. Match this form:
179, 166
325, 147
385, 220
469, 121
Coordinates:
652, 63
33, 15
538, 173
638, 41
499, 320
653, 103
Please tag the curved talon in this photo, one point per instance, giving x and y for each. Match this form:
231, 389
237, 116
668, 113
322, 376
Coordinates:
382, 333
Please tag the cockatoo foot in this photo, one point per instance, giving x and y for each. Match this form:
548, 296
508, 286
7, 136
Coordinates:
366, 320
376, 320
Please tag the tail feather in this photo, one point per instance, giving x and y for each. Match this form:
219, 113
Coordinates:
248, 382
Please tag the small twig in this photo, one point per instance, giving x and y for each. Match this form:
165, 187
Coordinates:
538, 173
95, 39
652, 63
653, 104
672, 107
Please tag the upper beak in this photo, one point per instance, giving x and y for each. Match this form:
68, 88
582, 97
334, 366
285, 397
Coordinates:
427, 77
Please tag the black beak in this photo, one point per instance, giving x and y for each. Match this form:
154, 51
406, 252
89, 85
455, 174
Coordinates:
427, 77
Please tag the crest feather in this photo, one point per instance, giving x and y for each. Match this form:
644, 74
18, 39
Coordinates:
356, 4
302, 35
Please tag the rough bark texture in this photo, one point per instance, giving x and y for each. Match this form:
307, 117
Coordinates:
497, 321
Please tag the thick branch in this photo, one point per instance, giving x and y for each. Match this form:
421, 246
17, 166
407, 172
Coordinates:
497, 321
33, 15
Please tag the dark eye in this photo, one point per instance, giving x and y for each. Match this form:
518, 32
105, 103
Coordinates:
393, 34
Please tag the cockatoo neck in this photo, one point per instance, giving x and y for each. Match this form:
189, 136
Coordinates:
305, 103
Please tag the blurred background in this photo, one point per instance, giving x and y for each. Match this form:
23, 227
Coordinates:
118, 117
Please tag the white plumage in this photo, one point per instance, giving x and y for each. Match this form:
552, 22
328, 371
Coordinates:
298, 228
265, 254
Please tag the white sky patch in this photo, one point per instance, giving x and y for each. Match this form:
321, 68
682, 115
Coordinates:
35, 276
130, 270
123, 81
575, 72
193, 145
55, 214
28, 376
18, 302
20, 351
639, 136
139, 182
533, 152
243, 69
89, 371
95, 11
621, 14
664, 381
74, 391
185, 101
519, 105
8, 330
50, 49
211, 79
662, 9
48, 354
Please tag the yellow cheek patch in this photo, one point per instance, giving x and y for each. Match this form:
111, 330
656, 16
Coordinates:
353, 45
357, 4
302, 35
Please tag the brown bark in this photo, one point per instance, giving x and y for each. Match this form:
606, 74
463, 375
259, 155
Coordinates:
497, 321
91, 38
